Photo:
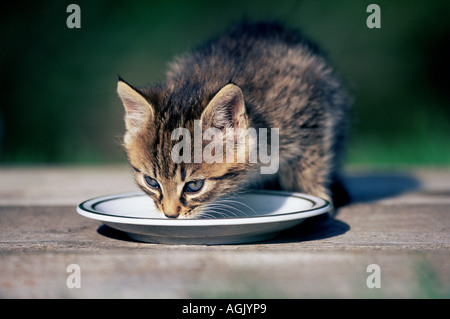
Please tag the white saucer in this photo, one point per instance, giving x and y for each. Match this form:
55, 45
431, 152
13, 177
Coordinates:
249, 217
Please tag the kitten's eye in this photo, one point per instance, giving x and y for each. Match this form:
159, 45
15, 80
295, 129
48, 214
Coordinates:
194, 186
151, 182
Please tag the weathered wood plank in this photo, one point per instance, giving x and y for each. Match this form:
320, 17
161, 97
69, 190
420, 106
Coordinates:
398, 221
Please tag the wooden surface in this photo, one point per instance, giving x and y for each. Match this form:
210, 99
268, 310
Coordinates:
398, 220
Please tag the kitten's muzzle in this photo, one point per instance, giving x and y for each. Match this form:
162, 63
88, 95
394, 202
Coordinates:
172, 213
169, 208
175, 215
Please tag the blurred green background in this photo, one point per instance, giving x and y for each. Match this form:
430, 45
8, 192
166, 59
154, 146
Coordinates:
58, 101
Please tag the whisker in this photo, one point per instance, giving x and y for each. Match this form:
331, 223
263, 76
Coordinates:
219, 206
251, 211
210, 214
240, 203
225, 207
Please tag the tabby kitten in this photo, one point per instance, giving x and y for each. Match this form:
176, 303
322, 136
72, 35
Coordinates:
257, 75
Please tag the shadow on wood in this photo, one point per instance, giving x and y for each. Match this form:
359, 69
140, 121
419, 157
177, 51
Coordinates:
114, 233
367, 187
315, 228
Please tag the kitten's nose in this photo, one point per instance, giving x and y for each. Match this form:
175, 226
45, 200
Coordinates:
173, 212
172, 215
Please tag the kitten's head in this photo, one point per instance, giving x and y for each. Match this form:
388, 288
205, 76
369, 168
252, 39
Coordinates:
181, 188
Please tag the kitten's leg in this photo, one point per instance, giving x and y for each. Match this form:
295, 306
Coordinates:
314, 175
339, 193
311, 174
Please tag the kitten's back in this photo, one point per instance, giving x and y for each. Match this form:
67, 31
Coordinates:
287, 84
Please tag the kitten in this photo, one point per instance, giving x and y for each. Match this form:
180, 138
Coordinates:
257, 75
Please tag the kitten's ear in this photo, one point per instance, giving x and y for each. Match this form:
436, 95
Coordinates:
138, 110
226, 109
